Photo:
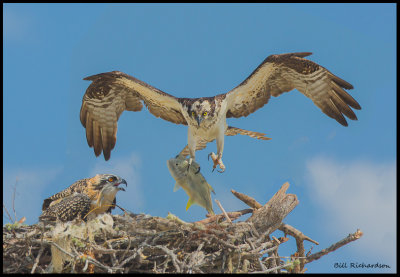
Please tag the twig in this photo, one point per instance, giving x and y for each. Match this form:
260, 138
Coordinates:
63, 250
268, 250
13, 199
300, 237
112, 256
273, 269
126, 251
8, 214
37, 259
351, 237
40, 251
91, 260
172, 255
125, 211
97, 263
287, 229
222, 209
232, 216
129, 258
262, 266
250, 201
273, 263
86, 265
193, 255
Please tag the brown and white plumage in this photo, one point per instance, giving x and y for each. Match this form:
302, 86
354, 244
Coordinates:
75, 206
230, 131
111, 93
285, 72
95, 194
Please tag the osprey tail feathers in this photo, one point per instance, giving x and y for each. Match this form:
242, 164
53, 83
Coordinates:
232, 131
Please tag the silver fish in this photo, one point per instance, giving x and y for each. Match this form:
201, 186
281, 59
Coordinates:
192, 181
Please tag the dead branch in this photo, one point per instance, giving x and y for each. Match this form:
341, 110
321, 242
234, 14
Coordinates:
218, 217
300, 237
223, 211
250, 201
269, 217
351, 237
8, 214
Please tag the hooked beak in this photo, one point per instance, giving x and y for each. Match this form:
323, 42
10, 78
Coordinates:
199, 120
122, 182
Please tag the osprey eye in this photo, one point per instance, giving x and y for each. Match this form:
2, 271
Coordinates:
205, 113
193, 113
111, 179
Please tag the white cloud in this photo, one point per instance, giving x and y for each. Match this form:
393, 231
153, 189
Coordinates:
127, 168
30, 184
358, 194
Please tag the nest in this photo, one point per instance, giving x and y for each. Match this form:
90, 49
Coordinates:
140, 243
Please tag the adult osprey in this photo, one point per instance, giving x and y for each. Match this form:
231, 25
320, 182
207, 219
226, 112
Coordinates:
113, 92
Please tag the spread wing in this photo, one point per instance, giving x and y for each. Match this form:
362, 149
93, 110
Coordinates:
109, 95
282, 73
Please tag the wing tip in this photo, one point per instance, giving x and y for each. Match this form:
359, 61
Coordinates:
106, 155
288, 55
301, 54
46, 203
343, 123
97, 76
344, 84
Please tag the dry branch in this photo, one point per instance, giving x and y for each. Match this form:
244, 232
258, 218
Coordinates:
351, 237
250, 201
268, 218
219, 217
223, 211
299, 237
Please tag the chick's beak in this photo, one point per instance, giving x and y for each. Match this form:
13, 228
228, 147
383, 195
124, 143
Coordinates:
122, 182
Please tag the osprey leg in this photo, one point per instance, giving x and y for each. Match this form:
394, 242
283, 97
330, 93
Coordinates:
217, 161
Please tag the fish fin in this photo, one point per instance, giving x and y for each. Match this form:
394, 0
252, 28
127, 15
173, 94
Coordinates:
189, 203
211, 188
176, 187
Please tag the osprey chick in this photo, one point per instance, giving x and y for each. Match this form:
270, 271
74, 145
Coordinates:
91, 195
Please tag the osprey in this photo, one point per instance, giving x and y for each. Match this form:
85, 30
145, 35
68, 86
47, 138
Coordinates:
94, 195
111, 93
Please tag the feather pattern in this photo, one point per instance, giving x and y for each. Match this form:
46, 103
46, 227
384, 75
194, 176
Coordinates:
230, 131
109, 95
285, 72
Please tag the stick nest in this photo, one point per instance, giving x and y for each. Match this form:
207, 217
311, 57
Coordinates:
141, 243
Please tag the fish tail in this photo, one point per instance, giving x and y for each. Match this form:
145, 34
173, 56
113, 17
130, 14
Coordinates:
189, 203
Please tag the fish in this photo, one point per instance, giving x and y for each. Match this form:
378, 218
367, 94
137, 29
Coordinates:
192, 182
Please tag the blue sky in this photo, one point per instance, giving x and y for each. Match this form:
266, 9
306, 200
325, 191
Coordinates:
344, 177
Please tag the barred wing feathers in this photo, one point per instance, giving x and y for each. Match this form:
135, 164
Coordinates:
109, 95
282, 73
79, 186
